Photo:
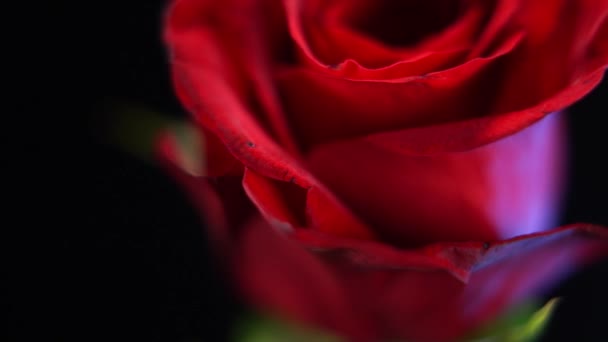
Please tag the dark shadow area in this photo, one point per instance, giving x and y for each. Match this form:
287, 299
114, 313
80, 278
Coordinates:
581, 314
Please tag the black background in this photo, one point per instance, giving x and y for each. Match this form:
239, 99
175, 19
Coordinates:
126, 257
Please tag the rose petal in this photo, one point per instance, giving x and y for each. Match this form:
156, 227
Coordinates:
242, 39
288, 207
367, 290
422, 64
323, 108
472, 133
249, 144
560, 47
221, 110
493, 31
498, 191
326, 39
276, 275
279, 203
370, 303
368, 59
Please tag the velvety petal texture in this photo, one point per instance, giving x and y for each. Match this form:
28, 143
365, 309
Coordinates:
385, 169
498, 191
366, 290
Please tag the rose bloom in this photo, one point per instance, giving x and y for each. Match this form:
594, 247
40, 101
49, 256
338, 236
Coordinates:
385, 169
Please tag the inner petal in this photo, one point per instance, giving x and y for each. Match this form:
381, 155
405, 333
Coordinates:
331, 34
401, 23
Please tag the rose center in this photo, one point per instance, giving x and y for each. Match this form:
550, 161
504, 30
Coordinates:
401, 22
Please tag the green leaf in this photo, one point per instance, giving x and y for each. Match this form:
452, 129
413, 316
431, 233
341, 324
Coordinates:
189, 148
267, 329
134, 129
524, 324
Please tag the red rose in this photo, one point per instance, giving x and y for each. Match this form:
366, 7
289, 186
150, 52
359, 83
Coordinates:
386, 169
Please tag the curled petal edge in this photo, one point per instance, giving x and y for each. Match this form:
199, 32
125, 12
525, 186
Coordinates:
459, 259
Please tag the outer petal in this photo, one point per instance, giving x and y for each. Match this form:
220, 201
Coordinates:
367, 290
498, 191
222, 110
237, 41
366, 304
